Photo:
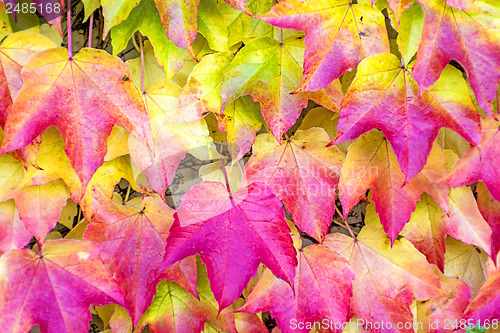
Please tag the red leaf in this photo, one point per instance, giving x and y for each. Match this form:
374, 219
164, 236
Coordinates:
338, 36
387, 277
303, 173
83, 96
54, 290
134, 245
322, 287
480, 163
452, 34
409, 122
232, 234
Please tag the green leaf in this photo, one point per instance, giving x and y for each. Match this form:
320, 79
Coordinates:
410, 33
146, 19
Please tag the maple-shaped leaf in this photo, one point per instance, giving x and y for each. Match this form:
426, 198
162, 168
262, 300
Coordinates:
370, 163
338, 36
434, 314
173, 309
134, 245
479, 162
145, 19
385, 96
452, 34
269, 71
54, 289
490, 210
233, 233
322, 290
13, 233
485, 306
14, 52
386, 278
84, 117
303, 173
178, 18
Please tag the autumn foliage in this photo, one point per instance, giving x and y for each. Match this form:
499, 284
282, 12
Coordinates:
295, 112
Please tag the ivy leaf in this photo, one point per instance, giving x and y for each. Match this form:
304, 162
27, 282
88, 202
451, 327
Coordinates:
212, 26
178, 18
338, 36
269, 71
233, 233
13, 233
85, 120
479, 162
490, 210
303, 173
370, 163
72, 278
377, 298
15, 50
452, 34
145, 19
134, 245
173, 310
323, 289
409, 122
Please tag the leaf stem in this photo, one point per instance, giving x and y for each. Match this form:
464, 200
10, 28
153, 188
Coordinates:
127, 195
225, 176
142, 63
345, 222
91, 23
68, 21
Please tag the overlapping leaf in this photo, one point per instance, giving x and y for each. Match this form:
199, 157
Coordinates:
83, 96
303, 173
338, 36
233, 233
14, 52
322, 291
370, 163
479, 162
145, 19
269, 71
490, 210
134, 245
13, 233
452, 34
385, 96
178, 18
71, 276
485, 306
376, 297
